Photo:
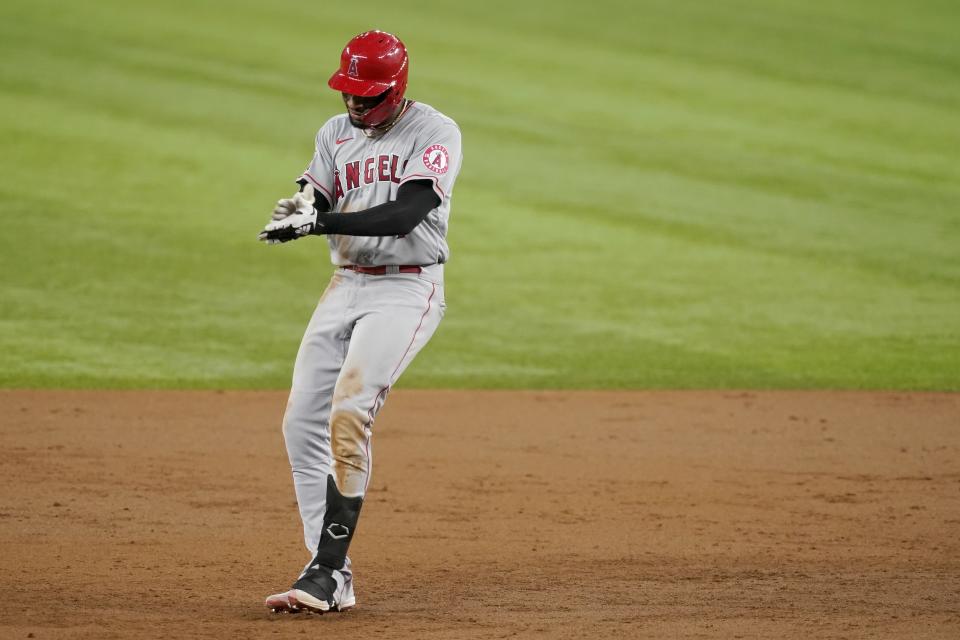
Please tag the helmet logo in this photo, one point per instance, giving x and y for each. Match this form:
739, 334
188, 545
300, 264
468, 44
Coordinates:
352, 71
436, 159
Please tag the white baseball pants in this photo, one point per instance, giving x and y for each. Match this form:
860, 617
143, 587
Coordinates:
364, 333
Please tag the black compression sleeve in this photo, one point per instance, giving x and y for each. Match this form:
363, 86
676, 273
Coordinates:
415, 199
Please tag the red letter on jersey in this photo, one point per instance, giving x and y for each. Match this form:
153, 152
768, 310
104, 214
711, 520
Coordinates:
368, 171
353, 175
337, 188
393, 169
383, 163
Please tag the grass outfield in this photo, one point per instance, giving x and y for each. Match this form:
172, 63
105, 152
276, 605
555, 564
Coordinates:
747, 194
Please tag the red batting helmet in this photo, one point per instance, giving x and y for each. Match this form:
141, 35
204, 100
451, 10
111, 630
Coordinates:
372, 63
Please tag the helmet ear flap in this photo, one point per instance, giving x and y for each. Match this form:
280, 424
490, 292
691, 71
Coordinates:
385, 96
380, 113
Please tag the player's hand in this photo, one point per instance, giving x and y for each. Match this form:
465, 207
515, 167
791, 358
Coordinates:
285, 207
288, 206
302, 222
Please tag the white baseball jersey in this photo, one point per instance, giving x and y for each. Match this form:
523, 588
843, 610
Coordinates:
355, 172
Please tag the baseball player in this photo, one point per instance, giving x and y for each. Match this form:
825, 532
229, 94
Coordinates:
378, 187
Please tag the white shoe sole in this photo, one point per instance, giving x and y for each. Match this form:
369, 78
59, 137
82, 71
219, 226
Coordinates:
280, 603
295, 601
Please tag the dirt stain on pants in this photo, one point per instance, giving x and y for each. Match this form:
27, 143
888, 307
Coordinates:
349, 439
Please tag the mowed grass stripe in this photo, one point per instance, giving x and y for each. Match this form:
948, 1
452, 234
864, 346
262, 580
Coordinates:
656, 194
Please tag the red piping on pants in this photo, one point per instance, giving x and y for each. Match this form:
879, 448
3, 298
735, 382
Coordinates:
390, 382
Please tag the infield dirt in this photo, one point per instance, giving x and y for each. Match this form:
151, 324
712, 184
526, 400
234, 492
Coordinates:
491, 514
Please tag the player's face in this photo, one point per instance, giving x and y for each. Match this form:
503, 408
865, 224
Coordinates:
358, 106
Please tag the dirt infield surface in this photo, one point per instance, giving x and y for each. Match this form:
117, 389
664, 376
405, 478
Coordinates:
491, 515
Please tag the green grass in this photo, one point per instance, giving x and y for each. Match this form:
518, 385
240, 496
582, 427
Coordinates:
741, 194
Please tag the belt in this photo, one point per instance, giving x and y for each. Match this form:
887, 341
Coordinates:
385, 269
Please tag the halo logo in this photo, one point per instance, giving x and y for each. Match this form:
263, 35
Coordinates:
352, 71
436, 158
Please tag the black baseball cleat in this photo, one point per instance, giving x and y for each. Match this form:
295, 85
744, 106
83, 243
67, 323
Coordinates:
332, 594
322, 589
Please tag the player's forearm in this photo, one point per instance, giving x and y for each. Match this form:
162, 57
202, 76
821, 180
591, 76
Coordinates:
396, 218
390, 219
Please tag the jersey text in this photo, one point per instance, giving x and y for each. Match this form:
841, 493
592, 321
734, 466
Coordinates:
353, 175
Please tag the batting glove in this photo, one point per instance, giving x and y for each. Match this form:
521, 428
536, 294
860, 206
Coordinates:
302, 222
288, 206
285, 207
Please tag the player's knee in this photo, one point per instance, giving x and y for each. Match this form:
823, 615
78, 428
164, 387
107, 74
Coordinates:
293, 430
348, 389
293, 425
349, 401
305, 432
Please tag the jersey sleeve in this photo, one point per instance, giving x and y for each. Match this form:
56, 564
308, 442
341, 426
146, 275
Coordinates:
437, 158
319, 172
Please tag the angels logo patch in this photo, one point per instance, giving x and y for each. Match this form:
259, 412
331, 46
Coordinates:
436, 158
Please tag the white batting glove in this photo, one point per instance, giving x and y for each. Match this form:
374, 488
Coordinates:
285, 207
288, 206
302, 222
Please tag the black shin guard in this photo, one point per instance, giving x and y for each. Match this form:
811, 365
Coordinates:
339, 523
